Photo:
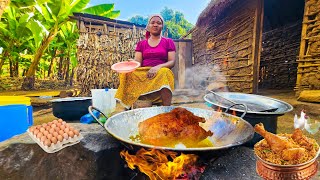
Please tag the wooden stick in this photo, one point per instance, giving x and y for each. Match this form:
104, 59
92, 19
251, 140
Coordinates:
310, 21
233, 58
242, 23
257, 44
234, 80
307, 60
238, 75
303, 43
308, 65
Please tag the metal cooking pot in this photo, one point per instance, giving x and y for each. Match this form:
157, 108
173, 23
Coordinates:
227, 131
260, 109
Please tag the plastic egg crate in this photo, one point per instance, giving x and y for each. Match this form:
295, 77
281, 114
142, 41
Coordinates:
54, 136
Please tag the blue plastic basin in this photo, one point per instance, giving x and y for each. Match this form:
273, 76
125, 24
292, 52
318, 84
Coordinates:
14, 120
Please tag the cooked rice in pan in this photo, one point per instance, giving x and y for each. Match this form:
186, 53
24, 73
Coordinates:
263, 150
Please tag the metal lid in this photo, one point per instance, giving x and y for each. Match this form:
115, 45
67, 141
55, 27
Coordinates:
256, 104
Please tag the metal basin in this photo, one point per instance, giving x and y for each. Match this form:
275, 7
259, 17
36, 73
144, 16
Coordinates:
258, 105
228, 130
260, 109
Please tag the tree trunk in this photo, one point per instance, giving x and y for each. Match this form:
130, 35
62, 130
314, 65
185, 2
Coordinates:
60, 76
10, 67
67, 69
28, 82
15, 69
51, 62
5, 56
71, 77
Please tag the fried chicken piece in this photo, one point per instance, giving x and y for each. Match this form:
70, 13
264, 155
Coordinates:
302, 140
293, 153
168, 129
277, 143
280, 145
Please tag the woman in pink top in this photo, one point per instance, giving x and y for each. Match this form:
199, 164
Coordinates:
153, 79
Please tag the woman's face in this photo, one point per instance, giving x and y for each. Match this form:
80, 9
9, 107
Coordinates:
155, 26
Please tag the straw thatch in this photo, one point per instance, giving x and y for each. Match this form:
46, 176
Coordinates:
3, 5
102, 43
214, 10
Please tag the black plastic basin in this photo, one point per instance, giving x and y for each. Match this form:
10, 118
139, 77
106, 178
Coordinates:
71, 108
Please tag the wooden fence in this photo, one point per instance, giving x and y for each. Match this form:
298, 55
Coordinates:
308, 75
182, 70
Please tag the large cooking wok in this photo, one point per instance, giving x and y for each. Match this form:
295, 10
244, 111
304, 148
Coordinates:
227, 132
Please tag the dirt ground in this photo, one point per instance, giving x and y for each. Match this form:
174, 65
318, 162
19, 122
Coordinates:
285, 122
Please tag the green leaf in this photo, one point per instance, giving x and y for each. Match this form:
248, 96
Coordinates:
73, 60
25, 18
37, 31
26, 3
23, 32
78, 5
27, 56
99, 10
4, 29
45, 12
55, 6
112, 14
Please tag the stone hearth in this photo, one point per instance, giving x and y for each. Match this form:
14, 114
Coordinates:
97, 157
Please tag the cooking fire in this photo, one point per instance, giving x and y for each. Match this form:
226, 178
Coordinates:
161, 164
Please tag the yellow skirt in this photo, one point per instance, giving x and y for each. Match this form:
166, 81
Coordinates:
135, 84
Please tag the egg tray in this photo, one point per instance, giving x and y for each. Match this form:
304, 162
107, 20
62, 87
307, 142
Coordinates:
59, 145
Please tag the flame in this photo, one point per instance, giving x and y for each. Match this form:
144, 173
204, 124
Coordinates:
156, 164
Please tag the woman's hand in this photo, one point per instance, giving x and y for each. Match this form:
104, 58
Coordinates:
153, 72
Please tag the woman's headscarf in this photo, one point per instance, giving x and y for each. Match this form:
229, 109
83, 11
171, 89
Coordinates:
154, 15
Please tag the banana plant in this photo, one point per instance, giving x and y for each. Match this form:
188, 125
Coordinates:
52, 16
69, 35
14, 36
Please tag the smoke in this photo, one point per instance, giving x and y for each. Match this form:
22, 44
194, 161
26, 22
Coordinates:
206, 78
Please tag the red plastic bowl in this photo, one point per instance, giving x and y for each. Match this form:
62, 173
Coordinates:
125, 66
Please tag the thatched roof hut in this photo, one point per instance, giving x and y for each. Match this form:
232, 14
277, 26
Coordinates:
227, 41
251, 44
103, 42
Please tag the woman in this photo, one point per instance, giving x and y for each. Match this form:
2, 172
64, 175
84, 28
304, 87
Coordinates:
154, 79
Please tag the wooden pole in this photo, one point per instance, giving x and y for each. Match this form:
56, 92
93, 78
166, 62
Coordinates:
256, 44
182, 64
302, 45
175, 69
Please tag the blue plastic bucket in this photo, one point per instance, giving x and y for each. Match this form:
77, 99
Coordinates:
14, 120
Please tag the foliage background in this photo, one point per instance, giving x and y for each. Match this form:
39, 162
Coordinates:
175, 23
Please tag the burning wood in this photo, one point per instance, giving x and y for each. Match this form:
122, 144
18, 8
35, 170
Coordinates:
160, 164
